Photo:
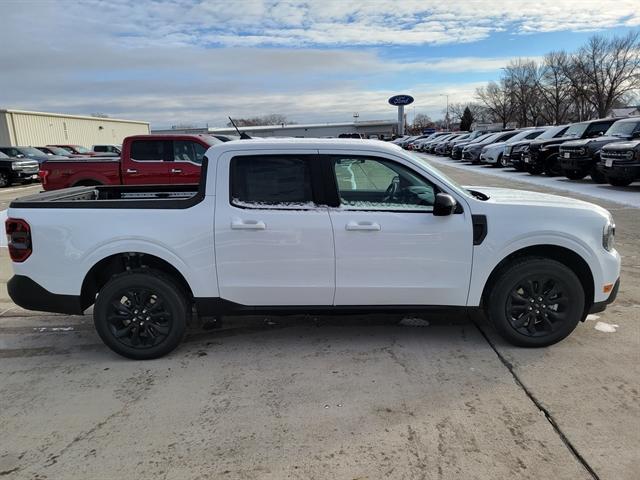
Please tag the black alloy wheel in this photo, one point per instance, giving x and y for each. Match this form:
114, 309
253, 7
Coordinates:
141, 314
537, 305
4, 180
536, 302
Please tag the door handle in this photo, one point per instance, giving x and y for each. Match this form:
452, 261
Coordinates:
131, 170
363, 226
176, 170
248, 225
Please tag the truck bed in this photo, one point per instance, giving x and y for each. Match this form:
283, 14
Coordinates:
115, 196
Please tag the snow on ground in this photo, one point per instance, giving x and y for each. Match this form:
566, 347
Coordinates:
629, 196
3, 238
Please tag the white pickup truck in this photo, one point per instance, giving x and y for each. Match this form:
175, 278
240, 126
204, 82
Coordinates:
308, 225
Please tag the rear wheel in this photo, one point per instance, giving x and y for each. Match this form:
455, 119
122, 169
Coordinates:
141, 315
536, 302
552, 166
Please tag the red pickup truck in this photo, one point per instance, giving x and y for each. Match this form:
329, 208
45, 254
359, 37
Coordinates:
145, 159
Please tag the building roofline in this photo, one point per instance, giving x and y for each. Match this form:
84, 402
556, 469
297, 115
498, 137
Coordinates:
293, 126
64, 115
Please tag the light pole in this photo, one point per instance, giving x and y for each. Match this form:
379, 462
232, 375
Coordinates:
446, 117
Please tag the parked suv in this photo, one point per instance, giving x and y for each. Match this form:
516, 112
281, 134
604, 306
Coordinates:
14, 170
473, 150
514, 153
494, 153
458, 146
580, 158
29, 153
543, 155
620, 163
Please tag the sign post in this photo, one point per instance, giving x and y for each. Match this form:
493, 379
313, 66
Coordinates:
400, 101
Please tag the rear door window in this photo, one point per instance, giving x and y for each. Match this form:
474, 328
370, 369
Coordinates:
597, 129
148, 150
271, 181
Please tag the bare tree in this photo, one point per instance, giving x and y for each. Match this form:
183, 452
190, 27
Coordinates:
555, 88
498, 99
521, 79
420, 122
271, 119
610, 69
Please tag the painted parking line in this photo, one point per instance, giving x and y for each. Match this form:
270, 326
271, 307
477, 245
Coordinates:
629, 196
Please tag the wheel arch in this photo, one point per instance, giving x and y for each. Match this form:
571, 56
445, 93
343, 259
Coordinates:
563, 255
100, 273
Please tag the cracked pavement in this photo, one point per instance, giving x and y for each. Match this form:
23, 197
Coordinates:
358, 397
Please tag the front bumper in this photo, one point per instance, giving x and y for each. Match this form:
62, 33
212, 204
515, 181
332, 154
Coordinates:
30, 295
601, 306
576, 163
629, 171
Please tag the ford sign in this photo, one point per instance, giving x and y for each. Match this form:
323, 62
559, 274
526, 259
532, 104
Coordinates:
398, 100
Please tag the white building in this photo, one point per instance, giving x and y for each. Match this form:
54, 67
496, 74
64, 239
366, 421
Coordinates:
24, 128
371, 128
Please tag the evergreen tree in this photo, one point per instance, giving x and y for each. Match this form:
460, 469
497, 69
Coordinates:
466, 120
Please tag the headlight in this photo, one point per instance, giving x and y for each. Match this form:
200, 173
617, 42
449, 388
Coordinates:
544, 149
629, 155
608, 235
582, 151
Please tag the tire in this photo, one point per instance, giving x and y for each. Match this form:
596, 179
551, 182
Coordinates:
502, 162
156, 295
597, 176
620, 182
552, 166
575, 174
519, 287
4, 180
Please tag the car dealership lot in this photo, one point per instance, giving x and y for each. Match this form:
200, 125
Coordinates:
334, 397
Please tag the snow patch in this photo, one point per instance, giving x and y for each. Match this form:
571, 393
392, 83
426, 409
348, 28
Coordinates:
3, 237
606, 327
414, 322
592, 316
53, 329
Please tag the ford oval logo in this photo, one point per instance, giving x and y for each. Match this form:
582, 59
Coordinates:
401, 100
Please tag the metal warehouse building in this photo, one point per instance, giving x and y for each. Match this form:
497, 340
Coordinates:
373, 128
24, 128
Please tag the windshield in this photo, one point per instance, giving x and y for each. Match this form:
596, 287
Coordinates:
520, 136
576, 130
56, 150
552, 132
2, 155
622, 129
489, 138
482, 137
81, 149
31, 152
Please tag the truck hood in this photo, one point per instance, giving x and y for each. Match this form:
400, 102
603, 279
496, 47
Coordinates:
587, 141
507, 196
624, 145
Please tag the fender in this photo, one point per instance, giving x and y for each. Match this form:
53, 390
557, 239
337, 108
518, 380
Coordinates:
202, 281
483, 268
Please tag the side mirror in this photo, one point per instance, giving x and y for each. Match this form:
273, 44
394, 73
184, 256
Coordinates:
635, 134
444, 205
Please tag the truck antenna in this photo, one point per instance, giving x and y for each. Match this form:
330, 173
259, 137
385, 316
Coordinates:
243, 135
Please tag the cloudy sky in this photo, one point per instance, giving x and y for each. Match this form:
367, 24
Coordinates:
197, 61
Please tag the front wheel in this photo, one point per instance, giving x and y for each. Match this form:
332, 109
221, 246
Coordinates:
620, 182
141, 314
4, 180
502, 162
536, 302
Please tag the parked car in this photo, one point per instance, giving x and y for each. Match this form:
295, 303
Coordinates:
439, 146
425, 144
444, 146
473, 150
17, 170
579, 158
493, 154
116, 149
76, 149
514, 152
620, 162
57, 151
30, 153
145, 159
544, 154
268, 231
456, 149
448, 146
